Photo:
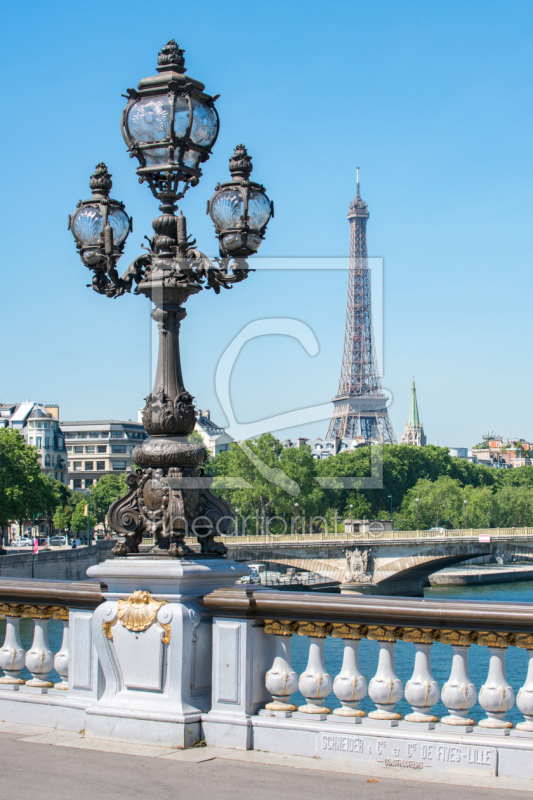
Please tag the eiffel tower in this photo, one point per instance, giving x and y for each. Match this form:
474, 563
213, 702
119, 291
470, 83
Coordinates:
360, 407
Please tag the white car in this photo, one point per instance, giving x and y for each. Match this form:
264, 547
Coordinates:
24, 542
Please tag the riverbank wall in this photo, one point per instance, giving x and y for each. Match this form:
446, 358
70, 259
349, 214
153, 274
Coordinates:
477, 577
57, 565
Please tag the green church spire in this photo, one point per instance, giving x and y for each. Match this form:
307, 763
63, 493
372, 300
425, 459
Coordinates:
414, 419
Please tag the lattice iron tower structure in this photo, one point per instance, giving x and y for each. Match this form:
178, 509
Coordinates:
360, 407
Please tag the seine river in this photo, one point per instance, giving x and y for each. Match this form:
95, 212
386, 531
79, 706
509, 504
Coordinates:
404, 652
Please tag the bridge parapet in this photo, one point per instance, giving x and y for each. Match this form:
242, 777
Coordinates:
460, 741
234, 643
372, 536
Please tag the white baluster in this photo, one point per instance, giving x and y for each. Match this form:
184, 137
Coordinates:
350, 685
12, 654
524, 701
39, 658
422, 690
315, 683
61, 660
385, 689
458, 693
496, 696
281, 680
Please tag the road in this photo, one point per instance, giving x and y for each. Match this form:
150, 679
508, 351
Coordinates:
60, 765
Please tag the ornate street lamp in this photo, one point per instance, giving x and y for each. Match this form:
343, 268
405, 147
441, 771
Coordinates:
170, 125
240, 209
100, 226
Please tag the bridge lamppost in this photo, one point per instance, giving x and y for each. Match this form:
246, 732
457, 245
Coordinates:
440, 505
390, 498
464, 504
170, 126
417, 500
296, 518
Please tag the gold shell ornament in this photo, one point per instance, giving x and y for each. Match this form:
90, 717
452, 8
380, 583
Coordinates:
139, 611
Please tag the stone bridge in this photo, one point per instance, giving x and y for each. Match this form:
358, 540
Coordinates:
385, 566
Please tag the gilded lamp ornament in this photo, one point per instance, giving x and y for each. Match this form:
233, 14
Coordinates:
170, 125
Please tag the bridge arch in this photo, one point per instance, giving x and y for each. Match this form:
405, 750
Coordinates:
403, 575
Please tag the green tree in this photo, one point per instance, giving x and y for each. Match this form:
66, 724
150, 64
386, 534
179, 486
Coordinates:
195, 438
105, 492
267, 481
62, 518
79, 518
74, 498
514, 506
440, 504
481, 508
25, 491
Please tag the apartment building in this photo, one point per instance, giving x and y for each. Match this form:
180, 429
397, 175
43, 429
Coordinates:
99, 447
215, 438
39, 424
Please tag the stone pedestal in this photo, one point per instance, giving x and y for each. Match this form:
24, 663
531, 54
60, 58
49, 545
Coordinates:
154, 644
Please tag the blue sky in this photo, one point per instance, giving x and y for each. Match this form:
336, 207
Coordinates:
431, 100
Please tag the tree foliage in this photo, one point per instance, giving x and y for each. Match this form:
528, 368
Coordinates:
269, 479
25, 491
79, 518
62, 517
105, 492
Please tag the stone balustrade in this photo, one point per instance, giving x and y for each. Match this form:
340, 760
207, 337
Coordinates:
385, 689
31, 672
322, 708
39, 659
374, 535
159, 654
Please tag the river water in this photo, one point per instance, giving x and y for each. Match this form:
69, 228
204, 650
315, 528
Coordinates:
404, 652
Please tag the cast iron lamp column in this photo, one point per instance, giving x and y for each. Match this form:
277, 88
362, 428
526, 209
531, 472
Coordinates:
170, 125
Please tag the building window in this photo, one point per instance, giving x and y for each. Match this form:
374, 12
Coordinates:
76, 483
94, 434
82, 435
47, 442
77, 465
116, 434
119, 466
88, 482
78, 449
118, 448
90, 448
70, 435
30, 440
47, 460
102, 448
38, 441
89, 466
100, 466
